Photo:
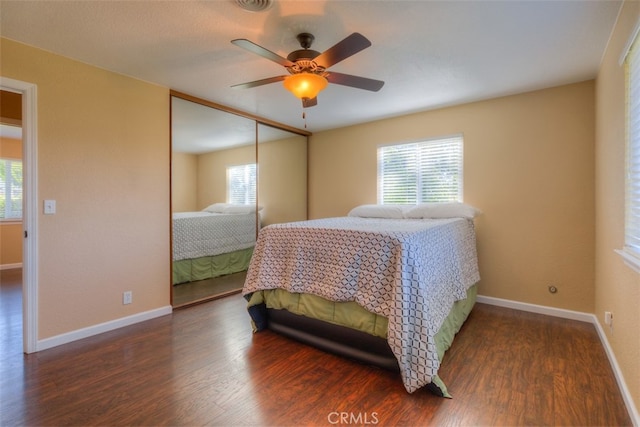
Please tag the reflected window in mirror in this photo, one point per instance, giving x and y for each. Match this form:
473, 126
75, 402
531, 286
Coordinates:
241, 184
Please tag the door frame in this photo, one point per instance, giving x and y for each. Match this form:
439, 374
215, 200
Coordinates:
29, 210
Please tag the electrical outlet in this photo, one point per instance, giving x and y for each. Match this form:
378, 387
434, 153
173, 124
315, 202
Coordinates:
608, 318
127, 297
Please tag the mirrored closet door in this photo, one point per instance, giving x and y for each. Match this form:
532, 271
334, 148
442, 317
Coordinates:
231, 173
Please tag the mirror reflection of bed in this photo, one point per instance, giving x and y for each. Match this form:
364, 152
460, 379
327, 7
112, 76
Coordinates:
229, 174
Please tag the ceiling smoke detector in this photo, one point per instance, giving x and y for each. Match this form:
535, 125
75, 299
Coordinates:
255, 5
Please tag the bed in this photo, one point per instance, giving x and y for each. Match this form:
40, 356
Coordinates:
213, 242
386, 285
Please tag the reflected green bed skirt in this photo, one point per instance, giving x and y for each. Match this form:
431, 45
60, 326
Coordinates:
190, 270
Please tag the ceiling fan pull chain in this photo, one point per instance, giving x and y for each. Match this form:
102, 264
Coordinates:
304, 117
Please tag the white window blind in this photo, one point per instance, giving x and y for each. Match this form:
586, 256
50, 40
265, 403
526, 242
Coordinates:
241, 184
10, 189
420, 172
632, 216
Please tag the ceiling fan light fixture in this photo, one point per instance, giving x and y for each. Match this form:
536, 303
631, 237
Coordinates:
305, 85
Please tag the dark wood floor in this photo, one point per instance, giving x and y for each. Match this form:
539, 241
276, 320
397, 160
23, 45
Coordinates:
200, 291
203, 366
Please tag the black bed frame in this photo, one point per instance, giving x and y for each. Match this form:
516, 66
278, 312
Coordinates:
336, 339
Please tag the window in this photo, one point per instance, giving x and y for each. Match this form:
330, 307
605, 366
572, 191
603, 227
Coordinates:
631, 251
241, 184
420, 172
10, 189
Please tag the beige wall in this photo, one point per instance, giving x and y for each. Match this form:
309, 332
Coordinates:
103, 155
528, 165
617, 287
10, 148
10, 244
10, 232
282, 180
184, 180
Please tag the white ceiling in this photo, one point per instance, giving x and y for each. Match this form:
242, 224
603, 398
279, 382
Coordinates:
199, 129
429, 53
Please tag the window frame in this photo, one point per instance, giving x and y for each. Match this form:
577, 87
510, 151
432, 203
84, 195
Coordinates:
13, 219
630, 61
458, 139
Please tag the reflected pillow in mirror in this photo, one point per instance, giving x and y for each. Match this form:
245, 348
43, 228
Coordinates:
215, 208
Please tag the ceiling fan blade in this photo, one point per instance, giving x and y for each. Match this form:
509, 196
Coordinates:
259, 50
355, 81
306, 102
342, 50
259, 82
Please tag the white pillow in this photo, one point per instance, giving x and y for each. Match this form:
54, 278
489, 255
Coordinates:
239, 209
215, 208
443, 210
379, 211
229, 208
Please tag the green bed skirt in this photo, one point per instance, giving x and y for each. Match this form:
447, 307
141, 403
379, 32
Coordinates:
352, 315
191, 270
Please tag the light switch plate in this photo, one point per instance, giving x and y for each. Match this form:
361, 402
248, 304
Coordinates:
49, 207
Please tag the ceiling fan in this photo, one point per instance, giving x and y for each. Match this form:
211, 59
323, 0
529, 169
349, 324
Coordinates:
309, 70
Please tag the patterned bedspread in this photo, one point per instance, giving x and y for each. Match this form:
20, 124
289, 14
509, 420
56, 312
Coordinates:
198, 234
410, 271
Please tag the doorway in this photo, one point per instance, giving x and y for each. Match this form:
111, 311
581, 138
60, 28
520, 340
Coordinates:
29, 276
11, 222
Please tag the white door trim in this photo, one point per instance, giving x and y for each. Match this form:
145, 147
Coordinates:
30, 210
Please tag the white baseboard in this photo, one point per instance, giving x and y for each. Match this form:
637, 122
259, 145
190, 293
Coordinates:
102, 327
10, 266
583, 317
540, 309
626, 395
